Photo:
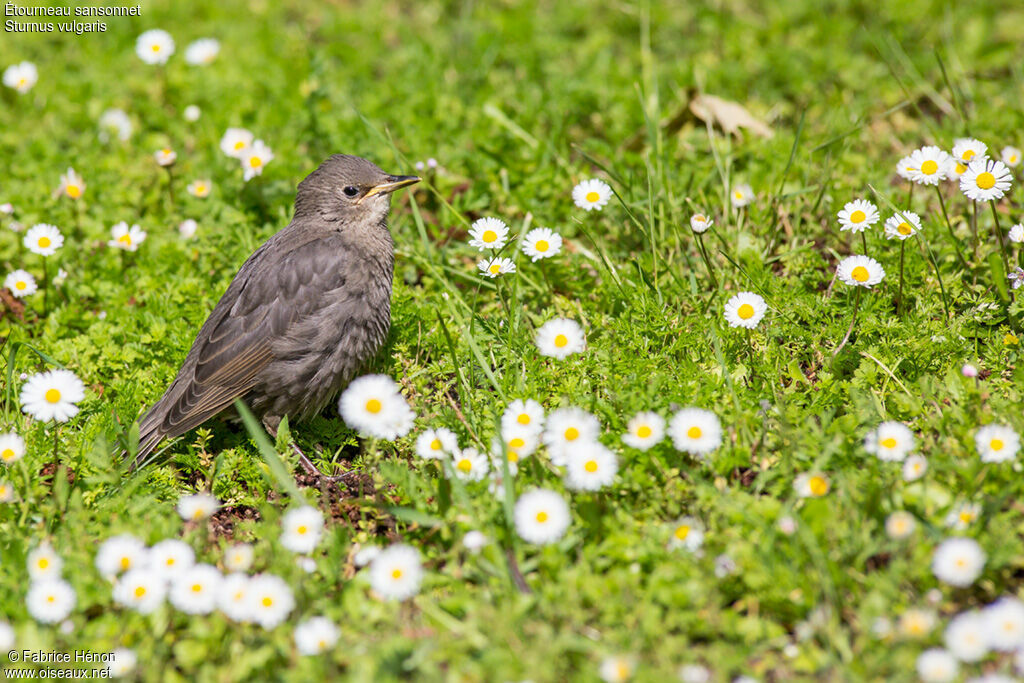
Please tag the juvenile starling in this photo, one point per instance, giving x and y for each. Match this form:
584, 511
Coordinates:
301, 316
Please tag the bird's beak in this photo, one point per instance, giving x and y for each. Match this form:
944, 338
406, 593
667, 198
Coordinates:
393, 183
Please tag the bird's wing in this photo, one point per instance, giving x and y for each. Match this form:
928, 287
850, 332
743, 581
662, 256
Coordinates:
271, 292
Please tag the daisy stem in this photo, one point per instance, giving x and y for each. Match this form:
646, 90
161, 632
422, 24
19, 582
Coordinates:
170, 186
938, 275
707, 261
46, 289
999, 238
899, 297
949, 227
974, 228
864, 241
853, 320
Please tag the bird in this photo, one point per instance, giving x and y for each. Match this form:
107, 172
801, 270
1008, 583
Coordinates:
302, 315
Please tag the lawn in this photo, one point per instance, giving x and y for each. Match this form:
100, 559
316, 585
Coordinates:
801, 545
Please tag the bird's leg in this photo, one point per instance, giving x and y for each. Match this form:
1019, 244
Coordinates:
272, 422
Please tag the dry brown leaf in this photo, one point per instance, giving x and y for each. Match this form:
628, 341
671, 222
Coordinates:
729, 116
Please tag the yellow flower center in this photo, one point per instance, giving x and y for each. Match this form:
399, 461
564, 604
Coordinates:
51, 599
858, 216
1013, 158
20, 285
166, 152
700, 217
255, 162
622, 671
541, 245
889, 443
961, 562
125, 239
396, 574
737, 194
495, 268
513, 456
571, 434
590, 466
966, 517
239, 145
197, 588
745, 312
860, 274
960, 168
516, 442
169, 562
373, 406
968, 155
435, 445
561, 340
986, 180
523, 419
140, 591
818, 485
542, 517
643, 431
52, 395
929, 167
593, 196
22, 82
200, 189
267, 601
43, 563
44, 242
302, 530
74, 191
682, 531
154, 47
996, 444
126, 562
904, 228
465, 465
490, 236
7, 455
694, 432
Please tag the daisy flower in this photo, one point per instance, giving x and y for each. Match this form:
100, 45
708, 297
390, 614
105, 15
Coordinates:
187, 228
687, 533
6, 491
154, 46
192, 113
301, 529
741, 195
115, 121
488, 233
858, 216
233, 599
591, 194
119, 554
811, 485
1005, 619
644, 430
373, 405
236, 142
199, 188
966, 636
514, 448
43, 239
1011, 156
937, 666
890, 441
900, 525
433, 444
21, 283
700, 223
902, 225
617, 669
71, 184
196, 589
494, 267
905, 168
165, 156
122, 662
474, 541
695, 431
745, 310
694, 673
269, 600
996, 443
21, 76
202, 52
963, 515
470, 465
44, 563
541, 243
12, 448
522, 416
968, 150
365, 555
914, 467
958, 561
567, 427
917, 623
254, 158
590, 467
929, 165
1016, 234
238, 558
52, 395
50, 601
985, 180
560, 338
396, 573
170, 557
541, 516
197, 506
315, 636
860, 271
141, 590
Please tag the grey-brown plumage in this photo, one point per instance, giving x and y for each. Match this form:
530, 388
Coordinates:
301, 316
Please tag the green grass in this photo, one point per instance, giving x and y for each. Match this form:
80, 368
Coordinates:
518, 102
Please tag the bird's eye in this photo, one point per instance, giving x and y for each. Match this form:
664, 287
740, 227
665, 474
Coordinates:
351, 191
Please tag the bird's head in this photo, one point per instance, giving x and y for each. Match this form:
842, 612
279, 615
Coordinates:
346, 187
